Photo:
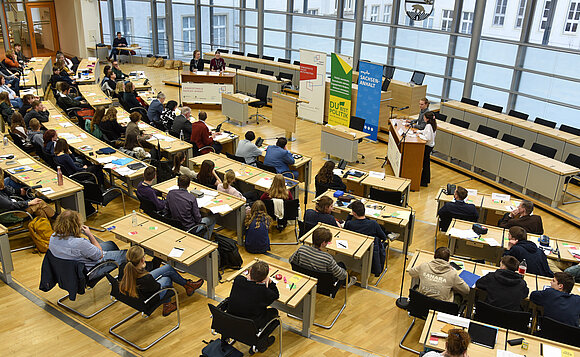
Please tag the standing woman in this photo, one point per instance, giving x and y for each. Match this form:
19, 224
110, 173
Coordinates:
207, 175
428, 134
196, 63
326, 179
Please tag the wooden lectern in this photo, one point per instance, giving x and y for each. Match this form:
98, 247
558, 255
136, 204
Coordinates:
405, 156
284, 112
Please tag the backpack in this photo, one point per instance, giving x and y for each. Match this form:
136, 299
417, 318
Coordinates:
40, 232
216, 348
228, 254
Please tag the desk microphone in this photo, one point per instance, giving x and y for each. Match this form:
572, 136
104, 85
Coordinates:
403, 108
35, 187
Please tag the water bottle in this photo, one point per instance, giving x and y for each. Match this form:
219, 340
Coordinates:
181, 135
523, 267
59, 178
5, 140
134, 218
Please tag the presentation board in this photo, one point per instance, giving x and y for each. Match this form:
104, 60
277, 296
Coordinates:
312, 82
206, 93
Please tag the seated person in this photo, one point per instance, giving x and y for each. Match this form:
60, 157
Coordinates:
250, 297
438, 279
279, 158
457, 209
217, 63
22, 59
196, 63
320, 214
145, 191
66, 243
130, 100
180, 169
92, 126
59, 74
36, 206
521, 248
325, 179
505, 287
558, 301
118, 42
456, 345
49, 138
137, 282
226, 186
109, 83
248, 150
314, 258
110, 126
522, 217
11, 61
183, 207
15, 100
119, 75
201, 137
35, 134
181, 127
207, 175
17, 126
132, 147
168, 115
69, 164
156, 108
133, 127
119, 90
66, 101
37, 111
277, 190
257, 226
65, 62
6, 109
27, 100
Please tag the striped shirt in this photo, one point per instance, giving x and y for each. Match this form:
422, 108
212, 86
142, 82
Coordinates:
317, 260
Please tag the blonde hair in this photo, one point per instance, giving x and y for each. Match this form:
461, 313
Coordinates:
120, 88
132, 272
67, 224
229, 178
258, 212
278, 188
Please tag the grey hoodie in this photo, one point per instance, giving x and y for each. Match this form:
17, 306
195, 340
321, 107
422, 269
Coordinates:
438, 279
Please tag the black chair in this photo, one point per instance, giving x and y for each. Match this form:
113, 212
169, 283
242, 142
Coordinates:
357, 123
469, 101
573, 160
445, 220
440, 116
85, 281
496, 316
291, 213
391, 197
16, 221
284, 60
417, 77
237, 158
238, 53
235, 66
75, 61
570, 129
544, 122
197, 151
544, 150
495, 108
265, 167
462, 123
221, 50
145, 307
251, 69
94, 193
486, 130
419, 306
296, 63
520, 115
262, 96
269, 58
27, 147
559, 332
267, 72
514, 140
284, 75
241, 329
327, 285
253, 55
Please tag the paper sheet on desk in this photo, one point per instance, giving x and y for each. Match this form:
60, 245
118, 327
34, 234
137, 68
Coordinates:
209, 192
204, 201
173, 188
376, 174
471, 192
492, 242
343, 244
453, 320
500, 197
106, 159
124, 171
486, 271
65, 124
222, 136
220, 209
337, 172
463, 233
373, 212
502, 353
264, 182
176, 253
46, 190
551, 351
26, 161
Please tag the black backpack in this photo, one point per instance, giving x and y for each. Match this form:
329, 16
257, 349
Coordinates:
229, 256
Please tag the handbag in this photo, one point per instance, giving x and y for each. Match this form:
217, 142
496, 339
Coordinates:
217, 348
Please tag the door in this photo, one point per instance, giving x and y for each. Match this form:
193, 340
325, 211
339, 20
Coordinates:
42, 28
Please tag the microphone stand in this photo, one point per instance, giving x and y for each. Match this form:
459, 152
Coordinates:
403, 302
399, 146
179, 81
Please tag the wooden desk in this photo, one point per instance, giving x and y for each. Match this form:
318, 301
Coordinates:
147, 96
247, 82
95, 96
299, 301
341, 142
87, 71
6, 255
405, 155
393, 218
199, 257
489, 247
388, 183
235, 107
232, 218
357, 255
204, 88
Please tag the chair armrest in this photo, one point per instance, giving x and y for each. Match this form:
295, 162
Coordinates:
102, 264
17, 211
289, 172
268, 324
16, 198
192, 229
159, 292
84, 173
206, 147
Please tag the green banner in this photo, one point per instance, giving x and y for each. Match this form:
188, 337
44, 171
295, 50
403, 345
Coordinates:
340, 90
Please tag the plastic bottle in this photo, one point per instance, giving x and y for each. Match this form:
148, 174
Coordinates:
181, 135
134, 218
59, 178
523, 267
5, 140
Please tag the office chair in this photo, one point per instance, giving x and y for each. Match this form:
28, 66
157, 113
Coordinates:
570, 129
559, 332
357, 123
495, 108
253, 55
221, 50
544, 122
235, 66
251, 69
296, 63
469, 101
520, 115
390, 197
284, 60
262, 96
269, 58
514, 140
267, 72
462, 123
544, 150
572, 160
486, 130
508, 319
238, 53
440, 116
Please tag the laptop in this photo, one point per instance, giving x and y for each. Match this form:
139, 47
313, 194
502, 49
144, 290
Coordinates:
482, 335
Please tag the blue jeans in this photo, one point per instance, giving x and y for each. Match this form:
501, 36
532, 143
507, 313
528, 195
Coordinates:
16, 102
294, 172
14, 84
167, 276
10, 182
110, 252
210, 222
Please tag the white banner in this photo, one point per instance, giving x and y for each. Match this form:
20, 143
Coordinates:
206, 93
312, 85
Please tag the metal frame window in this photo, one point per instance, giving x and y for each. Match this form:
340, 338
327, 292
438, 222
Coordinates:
312, 11
387, 13
446, 20
545, 14
520, 15
375, 12
499, 15
466, 22
162, 40
220, 25
128, 27
427, 23
573, 18
188, 31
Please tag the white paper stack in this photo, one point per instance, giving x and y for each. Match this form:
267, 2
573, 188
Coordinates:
453, 320
106, 159
220, 209
376, 174
204, 201
124, 171
500, 197
209, 192
463, 233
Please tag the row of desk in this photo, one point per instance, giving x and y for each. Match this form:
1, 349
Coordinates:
527, 169
37, 74
565, 143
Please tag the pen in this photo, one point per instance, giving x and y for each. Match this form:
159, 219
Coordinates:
342, 245
38, 181
292, 286
337, 233
541, 349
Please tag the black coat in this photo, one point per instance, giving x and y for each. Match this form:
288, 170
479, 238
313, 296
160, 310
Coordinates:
250, 300
68, 274
336, 184
534, 256
130, 100
196, 66
505, 289
181, 123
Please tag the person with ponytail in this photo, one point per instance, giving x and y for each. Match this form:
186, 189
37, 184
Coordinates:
257, 226
227, 187
456, 345
180, 169
137, 282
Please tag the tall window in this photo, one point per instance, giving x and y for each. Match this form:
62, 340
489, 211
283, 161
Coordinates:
375, 12
499, 16
387, 13
520, 16
573, 17
161, 40
466, 22
188, 28
219, 30
312, 11
545, 14
428, 22
446, 20
128, 34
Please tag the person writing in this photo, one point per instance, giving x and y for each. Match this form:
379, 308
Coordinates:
217, 63
325, 179
196, 63
201, 136
207, 175
428, 134
179, 167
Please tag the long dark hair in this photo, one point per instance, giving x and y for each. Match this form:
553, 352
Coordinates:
177, 159
131, 141
205, 174
431, 120
325, 173
48, 135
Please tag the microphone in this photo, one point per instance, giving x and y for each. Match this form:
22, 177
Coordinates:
219, 126
35, 187
403, 108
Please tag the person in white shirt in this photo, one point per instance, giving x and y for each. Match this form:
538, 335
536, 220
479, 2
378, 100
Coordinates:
428, 134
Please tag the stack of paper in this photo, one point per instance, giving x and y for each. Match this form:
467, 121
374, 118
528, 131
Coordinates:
106, 159
500, 197
453, 320
471, 192
376, 174
337, 172
124, 171
462, 233
502, 353
173, 188
204, 201
220, 209
209, 192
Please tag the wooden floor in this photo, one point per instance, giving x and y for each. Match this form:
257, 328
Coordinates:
370, 325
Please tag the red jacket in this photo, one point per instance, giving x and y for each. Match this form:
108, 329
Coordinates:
10, 63
201, 136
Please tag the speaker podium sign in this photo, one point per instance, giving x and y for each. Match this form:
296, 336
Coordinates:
340, 90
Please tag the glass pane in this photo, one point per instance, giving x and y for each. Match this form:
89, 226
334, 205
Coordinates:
105, 22
43, 35
322, 44
564, 30
564, 64
251, 18
313, 26
347, 48
434, 86
462, 46
138, 17
320, 7
184, 29
373, 53
274, 38
274, 21
375, 33
420, 61
459, 68
348, 29
428, 41
274, 52
497, 52
493, 76
542, 109
551, 88
455, 90
279, 5
486, 95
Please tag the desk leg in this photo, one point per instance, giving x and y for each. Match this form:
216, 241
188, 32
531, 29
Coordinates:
309, 303
239, 222
212, 279
188, 154
6, 256
307, 173
75, 202
366, 267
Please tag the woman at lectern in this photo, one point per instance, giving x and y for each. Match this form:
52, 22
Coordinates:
217, 63
196, 63
428, 134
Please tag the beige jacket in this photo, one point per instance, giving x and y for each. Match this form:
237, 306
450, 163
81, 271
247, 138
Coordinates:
438, 280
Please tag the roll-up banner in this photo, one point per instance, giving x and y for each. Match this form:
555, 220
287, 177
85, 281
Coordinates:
340, 90
368, 100
312, 81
